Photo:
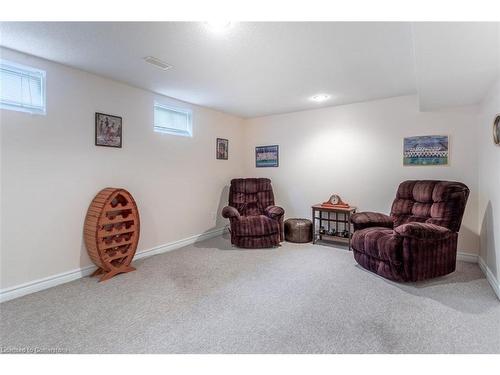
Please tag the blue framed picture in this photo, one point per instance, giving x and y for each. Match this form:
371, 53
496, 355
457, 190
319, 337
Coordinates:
426, 150
267, 156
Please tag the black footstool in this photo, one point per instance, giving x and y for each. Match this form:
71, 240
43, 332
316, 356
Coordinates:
298, 230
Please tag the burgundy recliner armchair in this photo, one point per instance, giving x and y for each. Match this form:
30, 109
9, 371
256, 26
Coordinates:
255, 221
418, 240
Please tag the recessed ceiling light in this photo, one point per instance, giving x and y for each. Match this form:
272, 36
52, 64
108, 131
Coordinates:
320, 98
218, 26
157, 62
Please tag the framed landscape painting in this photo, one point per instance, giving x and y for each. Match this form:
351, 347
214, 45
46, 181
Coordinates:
266, 156
108, 130
426, 150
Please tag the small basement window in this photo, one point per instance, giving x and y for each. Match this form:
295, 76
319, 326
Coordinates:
22, 88
173, 121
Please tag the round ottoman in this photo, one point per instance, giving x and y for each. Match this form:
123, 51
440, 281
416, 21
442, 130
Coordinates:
298, 230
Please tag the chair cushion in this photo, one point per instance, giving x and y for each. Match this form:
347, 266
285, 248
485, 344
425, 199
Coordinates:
380, 243
258, 225
434, 202
371, 219
251, 196
423, 231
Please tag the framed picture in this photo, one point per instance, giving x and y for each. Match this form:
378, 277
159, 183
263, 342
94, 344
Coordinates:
496, 130
222, 149
426, 150
266, 156
108, 130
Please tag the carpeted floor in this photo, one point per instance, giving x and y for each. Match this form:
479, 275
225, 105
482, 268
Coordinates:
210, 298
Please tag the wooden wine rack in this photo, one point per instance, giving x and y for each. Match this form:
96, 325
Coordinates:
111, 232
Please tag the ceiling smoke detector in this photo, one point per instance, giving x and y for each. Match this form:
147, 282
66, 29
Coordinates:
157, 62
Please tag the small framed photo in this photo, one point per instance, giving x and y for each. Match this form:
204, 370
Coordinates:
267, 156
222, 149
108, 130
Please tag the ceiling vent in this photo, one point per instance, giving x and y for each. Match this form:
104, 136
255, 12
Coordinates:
157, 62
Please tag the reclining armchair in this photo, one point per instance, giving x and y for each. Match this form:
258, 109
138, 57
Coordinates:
255, 221
418, 240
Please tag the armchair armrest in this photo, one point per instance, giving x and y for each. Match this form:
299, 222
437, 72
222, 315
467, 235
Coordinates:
363, 220
230, 212
423, 231
274, 212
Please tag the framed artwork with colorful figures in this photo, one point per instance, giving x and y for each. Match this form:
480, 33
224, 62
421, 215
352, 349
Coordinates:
426, 150
108, 130
267, 156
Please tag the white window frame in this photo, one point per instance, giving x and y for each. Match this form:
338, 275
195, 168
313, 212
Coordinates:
172, 131
25, 108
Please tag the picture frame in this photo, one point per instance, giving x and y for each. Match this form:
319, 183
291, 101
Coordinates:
426, 150
108, 130
267, 156
496, 130
222, 149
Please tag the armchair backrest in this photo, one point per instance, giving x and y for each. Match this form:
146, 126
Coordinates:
251, 196
435, 202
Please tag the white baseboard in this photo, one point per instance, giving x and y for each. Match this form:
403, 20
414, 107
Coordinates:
474, 258
65, 277
467, 257
489, 276
178, 244
45, 283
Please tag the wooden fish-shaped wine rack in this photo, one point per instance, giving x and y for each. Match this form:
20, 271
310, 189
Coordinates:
111, 232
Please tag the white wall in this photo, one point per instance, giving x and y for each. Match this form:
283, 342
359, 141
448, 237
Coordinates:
356, 151
489, 182
51, 170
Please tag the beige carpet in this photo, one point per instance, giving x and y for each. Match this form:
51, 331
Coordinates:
210, 298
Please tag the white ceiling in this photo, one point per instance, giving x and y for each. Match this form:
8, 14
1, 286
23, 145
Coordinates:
456, 63
257, 69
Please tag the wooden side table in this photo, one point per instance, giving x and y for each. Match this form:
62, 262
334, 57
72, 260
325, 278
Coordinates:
336, 218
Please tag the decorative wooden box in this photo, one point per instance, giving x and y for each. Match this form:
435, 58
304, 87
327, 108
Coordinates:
111, 232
